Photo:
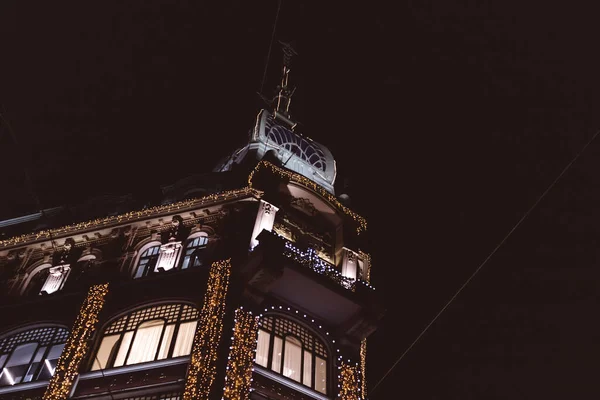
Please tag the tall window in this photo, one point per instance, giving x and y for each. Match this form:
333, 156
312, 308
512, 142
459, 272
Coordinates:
193, 250
147, 261
149, 334
293, 351
31, 355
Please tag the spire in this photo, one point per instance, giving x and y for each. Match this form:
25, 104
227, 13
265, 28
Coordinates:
284, 97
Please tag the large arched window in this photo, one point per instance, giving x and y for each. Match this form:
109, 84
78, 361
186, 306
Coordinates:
31, 355
193, 249
149, 334
292, 350
147, 260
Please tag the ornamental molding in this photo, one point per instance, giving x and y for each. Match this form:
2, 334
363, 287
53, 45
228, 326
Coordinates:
133, 216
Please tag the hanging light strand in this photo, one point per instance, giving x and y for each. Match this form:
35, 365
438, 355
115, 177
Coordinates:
203, 364
67, 367
238, 376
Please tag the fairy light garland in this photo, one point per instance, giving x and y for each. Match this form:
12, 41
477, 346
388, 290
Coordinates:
362, 222
363, 366
238, 375
348, 383
367, 258
77, 345
130, 216
311, 259
203, 368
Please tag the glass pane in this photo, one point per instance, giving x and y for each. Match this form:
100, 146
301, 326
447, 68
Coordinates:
307, 375
185, 338
106, 347
262, 348
120, 360
2, 360
321, 375
276, 362
166, 342
146, 342
292, 358
22, 354
39, 354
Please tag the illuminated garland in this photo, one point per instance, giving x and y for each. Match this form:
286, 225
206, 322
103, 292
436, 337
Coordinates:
362, 223
238, 376
130, 216
202, 368
349, 389
77, 345
363, 367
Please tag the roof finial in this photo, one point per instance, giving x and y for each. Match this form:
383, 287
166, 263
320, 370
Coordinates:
284, 97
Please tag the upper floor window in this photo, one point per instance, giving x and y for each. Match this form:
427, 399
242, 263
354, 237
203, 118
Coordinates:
147, 260
292, 350
31, 355
149, 334
193, 250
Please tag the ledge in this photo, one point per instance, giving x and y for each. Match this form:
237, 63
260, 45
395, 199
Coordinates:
134, 368
289, 383
23, 386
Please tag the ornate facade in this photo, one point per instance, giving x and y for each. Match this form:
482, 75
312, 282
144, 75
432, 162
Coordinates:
248, 282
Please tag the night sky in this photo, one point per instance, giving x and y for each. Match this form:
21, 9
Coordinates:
447, 120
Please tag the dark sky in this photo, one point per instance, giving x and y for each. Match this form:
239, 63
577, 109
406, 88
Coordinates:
448, 118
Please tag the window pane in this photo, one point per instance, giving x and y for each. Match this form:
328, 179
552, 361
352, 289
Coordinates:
262, 348
120, 360
321, 375
50, 362
276, 362
292, 358
166, 342
185, 338
307, 375
106, 347
18, 363
146, 342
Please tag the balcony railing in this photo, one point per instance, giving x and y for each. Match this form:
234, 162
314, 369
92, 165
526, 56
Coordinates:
310, 259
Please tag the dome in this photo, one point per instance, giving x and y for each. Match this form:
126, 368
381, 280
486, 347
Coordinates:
295, 152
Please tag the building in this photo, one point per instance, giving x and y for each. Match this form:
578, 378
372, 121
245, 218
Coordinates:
250, 281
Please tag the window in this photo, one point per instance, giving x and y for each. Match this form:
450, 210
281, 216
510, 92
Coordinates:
292, 350
193, 248
31, 355
152, 333
147, 261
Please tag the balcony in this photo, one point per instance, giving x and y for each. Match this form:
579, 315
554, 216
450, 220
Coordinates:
299, 277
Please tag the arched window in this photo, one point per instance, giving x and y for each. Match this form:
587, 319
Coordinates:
31, 355
147, 260
292, 350
149, 334
193, 249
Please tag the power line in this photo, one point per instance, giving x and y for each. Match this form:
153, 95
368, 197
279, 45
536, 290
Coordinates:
460, 289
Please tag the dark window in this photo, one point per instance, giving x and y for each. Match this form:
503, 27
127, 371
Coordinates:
193, 250
147, 261
31, 355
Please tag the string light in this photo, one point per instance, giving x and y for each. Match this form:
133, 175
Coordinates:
310, 259
131, 216
363, 366
203, 368
349, 389
77, 344
362, 223
238, 376
367, 259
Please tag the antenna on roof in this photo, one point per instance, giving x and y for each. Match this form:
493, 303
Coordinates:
284, 96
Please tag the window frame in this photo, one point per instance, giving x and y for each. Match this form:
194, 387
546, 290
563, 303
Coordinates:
140, 256
95, 364
184, 254
303, 349
58, 337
